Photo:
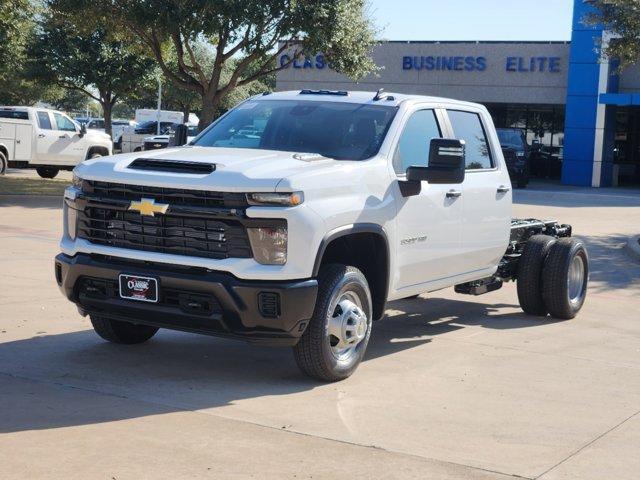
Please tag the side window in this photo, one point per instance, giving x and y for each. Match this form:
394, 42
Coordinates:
64, 123
44, 121
467, 126
415, 141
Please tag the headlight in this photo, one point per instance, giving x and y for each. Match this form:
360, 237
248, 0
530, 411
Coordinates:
275, 199
269, 245
71, 219
76, 181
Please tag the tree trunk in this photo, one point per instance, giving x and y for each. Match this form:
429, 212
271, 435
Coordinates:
186, 111
106, 111
207, 114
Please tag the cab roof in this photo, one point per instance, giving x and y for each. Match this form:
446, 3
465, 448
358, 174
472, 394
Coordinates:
354, 96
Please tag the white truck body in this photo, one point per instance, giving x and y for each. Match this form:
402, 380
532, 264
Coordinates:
296, 216
40, 137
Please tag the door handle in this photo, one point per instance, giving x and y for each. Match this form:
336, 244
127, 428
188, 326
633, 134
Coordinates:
41, 135
504, 189
454, 194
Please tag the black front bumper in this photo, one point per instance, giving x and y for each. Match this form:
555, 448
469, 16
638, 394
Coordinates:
191, 299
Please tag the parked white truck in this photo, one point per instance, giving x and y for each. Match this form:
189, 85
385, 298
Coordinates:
295, 218
46, 140
132, 138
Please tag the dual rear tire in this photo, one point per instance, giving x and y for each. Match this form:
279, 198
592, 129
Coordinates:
553, 277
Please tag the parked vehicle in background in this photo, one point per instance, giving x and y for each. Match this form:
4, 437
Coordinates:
546, 161
163, 141
516, 154
132, 138
95, 124
46, 140
327, 206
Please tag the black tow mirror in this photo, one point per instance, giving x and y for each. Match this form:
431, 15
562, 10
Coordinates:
83, 129
180, 135
446, 167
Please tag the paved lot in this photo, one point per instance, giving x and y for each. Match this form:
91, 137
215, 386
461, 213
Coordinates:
452, 386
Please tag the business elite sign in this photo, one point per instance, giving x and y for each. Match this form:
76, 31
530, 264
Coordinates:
460, 63
479, 64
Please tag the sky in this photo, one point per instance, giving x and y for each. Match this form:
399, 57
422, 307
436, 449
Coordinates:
473, 19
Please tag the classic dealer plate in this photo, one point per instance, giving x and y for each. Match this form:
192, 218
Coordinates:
135, 287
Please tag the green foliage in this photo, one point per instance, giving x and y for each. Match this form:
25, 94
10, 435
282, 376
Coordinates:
17, 27
244, 37
622, 19
103, 67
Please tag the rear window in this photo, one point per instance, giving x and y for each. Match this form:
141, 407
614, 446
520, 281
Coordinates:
14, 115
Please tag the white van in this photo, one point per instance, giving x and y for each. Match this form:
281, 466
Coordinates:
132, 138
46, 140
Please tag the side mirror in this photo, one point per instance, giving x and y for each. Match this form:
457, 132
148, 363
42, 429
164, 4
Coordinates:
83, 130
180, 136
446, 166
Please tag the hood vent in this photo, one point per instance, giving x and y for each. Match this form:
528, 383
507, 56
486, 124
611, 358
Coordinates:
173, 166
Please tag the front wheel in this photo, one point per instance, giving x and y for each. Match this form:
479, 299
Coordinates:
47, 172
336, 339
3, 164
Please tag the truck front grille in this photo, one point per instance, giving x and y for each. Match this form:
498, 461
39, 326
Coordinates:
173, 196
186, 228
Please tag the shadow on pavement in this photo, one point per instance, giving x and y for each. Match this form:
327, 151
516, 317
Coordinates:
176, 371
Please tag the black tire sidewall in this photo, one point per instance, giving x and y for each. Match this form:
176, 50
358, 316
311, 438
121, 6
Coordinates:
3, 164
555, 278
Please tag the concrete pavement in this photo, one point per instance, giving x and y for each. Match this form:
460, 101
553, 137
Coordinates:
452, 386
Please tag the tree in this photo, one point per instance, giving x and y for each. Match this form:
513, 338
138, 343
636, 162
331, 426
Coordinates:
17, 27
95, 63
249, 30
622, 19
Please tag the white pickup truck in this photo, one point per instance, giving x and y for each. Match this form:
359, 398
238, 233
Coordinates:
295, 218
46, 140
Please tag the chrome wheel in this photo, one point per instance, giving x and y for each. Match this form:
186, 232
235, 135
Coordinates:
575, 279
348, 325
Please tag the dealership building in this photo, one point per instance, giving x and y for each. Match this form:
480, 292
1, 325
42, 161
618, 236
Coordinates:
574, 107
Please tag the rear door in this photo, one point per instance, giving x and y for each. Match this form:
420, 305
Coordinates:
486, 201
428, 224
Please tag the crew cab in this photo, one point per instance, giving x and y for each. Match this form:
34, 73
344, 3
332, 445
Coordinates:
46, 140
295, 217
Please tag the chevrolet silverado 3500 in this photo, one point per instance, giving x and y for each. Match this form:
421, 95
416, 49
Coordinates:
295, 217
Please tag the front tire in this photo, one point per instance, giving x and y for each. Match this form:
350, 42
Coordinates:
126, 333
566, 277
47, 172
336, 339
3, 164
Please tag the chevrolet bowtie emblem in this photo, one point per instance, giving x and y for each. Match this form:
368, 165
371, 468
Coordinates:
149, 207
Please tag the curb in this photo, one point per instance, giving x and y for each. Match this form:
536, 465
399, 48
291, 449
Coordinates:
633, 246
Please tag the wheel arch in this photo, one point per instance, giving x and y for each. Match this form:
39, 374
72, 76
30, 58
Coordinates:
356, 245
104, 151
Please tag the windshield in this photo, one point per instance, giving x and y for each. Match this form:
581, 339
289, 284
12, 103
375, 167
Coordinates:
343, 131
511, 137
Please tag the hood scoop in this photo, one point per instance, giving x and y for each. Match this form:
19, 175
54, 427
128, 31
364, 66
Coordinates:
172, 166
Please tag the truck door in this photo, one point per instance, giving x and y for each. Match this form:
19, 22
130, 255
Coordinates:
486, 200
69, 148
24, 141
46, 139
428, 224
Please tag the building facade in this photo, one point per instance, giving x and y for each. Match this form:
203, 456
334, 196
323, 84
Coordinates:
577, 112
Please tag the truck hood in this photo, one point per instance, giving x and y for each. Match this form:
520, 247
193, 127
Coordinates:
236, 169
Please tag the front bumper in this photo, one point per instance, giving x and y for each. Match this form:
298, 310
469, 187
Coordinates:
191, 299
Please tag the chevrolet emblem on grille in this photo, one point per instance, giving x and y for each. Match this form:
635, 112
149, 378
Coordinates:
149, 207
